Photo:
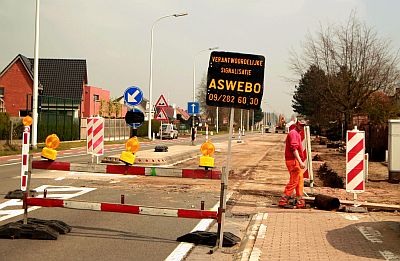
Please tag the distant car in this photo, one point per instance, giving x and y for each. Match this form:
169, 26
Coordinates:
169, 131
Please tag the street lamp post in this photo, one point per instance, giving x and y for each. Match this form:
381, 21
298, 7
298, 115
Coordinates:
194, 69
194, 82
35, 91
151, 67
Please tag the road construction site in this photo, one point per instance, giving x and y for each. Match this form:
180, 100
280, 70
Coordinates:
255, 184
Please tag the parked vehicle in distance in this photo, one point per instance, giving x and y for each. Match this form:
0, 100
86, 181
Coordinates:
169, 131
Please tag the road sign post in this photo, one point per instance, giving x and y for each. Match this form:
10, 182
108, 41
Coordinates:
133, 96
134, 118
161, 102
193, 109
234, 80
161, 115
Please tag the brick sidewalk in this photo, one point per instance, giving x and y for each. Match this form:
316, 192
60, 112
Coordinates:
322, 235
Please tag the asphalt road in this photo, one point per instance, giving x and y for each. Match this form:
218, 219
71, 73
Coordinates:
100, 235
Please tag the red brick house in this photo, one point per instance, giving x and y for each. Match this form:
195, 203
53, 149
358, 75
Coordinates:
16, 82
64, 94
58, 78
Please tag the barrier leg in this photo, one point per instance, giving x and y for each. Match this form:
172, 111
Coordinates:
25, 207
28, 185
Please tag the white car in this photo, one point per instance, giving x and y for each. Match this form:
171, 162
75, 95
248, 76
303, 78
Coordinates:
169, 131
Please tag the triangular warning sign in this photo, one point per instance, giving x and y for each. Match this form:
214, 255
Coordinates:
161, 115
161, 102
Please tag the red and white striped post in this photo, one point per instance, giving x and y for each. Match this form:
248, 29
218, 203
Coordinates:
25, 157
206, 132
355, 150
95, 137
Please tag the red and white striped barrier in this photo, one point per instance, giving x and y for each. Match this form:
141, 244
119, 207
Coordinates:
128, 170
95, 136
355, 150
304, 152
122, 208
25, 157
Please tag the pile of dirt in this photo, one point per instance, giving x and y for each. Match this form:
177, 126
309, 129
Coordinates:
329, 177
378, 189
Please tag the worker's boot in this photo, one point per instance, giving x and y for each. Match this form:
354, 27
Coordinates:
300, 203
284, 201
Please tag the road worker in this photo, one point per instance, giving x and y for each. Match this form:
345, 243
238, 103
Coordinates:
295, 165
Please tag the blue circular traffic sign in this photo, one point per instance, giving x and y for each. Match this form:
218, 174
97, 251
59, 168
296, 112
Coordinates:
133, 96
134, 118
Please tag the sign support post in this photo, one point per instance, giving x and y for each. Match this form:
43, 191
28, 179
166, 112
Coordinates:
193, 109
224, 184
309, 157
225, 71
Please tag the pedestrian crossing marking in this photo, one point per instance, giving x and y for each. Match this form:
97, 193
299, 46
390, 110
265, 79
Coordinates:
59, 192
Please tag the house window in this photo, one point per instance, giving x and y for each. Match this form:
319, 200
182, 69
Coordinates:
1, 92
23, 113
96, 97
2, 105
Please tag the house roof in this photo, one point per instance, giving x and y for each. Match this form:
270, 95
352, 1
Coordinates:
182, 112
62, 78
26, 63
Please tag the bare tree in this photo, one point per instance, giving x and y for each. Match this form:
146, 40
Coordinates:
356, 61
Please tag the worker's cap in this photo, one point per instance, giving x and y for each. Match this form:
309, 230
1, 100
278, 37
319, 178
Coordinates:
301, 122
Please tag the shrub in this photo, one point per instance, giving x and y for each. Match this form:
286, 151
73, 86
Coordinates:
4, 126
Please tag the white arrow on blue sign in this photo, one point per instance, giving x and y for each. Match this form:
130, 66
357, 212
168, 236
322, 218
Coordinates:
193, 108
133, 96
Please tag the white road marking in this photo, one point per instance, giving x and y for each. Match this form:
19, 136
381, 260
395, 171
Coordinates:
17, 203
387, 255
181, 251
8, 164
255, 254
350, 217
370, 234
59, 178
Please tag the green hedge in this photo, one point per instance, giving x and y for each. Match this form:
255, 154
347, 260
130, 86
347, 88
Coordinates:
4, 126
143, 130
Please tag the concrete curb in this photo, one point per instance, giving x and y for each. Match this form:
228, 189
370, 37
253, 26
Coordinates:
252, 247
159, 158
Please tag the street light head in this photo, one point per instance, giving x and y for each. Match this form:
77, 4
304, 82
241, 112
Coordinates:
180, 14
213, 48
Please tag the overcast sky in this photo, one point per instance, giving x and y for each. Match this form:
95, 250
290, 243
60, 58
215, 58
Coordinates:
114, 38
